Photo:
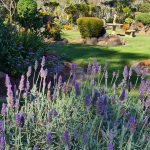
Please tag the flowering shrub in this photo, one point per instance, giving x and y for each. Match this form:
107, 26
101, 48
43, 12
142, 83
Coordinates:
84, 115
53, 29
18, 50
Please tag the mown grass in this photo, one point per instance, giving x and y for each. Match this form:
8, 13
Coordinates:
136, 49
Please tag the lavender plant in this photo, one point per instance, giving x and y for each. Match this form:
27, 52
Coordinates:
87, 115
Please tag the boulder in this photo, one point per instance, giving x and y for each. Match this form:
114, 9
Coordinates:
111, 41
114, 41
78, 41
91, 41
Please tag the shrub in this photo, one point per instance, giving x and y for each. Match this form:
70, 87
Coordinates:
129, 20
145, 8
85, 115
27, 10
144, 18
18, 50
89, 26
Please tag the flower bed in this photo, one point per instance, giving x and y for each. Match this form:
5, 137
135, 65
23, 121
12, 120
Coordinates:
86, 115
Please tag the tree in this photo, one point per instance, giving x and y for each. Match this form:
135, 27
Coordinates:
8, 6
27, 10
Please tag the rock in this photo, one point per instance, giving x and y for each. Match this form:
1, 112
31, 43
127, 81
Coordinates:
114, 41
102, 43
111, 41
91, 41
78, 41
65, 41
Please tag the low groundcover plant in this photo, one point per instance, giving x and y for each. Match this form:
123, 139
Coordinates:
88, 115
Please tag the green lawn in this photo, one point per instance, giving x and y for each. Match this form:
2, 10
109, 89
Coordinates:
136, 49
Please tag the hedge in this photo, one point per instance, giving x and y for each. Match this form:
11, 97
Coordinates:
90, 26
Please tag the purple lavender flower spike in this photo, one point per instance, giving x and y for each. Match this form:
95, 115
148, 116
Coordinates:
1, 127
74, 77
7, 81
42, 72
132, 124
66, 137
59, 80
49, 138
17, 105
2, 143
36, 65
89, 69
105, 66
49, 85
43, 61
123, 95
126, 72
111, 136
20, 120
87, 100
85, 138
45, 73
3, 110
110, 146
73, 67
142, 88
106, 74
50, 116
29, 71
77, 88
36, 148
21, 85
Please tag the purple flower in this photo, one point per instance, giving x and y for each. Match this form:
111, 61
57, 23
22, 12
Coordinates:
142, 88
60, 80
101, 105
123, 94
85, 138
132, 124
126, 72
77, 88
66, 137
29, 71
111, 136
20, 120
43, 61
45, 73
7, 81
105, 66
17, 105
3, 110
48, 138
2, 143
89, 69
36, 65
21, 85
50, 116
42, 73
74, 77
1, 127
106, 74
87, 100
73, 67
49, 85
110, 146
36, 148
